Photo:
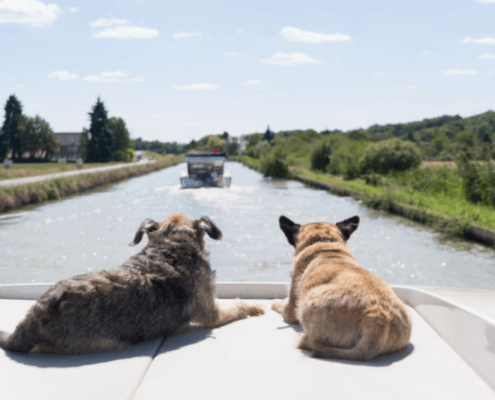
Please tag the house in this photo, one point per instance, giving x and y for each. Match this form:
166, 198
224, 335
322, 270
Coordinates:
68, 144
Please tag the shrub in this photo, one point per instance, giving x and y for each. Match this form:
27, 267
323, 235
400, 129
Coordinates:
274, 164
320, 157
390, 155
478, 180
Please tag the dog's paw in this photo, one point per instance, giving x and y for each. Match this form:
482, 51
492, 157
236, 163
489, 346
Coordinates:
278, 305
256, 310
250, 310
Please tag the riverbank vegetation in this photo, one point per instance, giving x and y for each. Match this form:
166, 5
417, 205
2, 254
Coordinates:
15, 197
23, 170
385, 168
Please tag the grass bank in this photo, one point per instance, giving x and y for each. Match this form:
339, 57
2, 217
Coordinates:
15, 197
448, 212
23, 170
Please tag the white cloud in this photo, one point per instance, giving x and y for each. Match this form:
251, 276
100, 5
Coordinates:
187, 35
289, 59
112, 77
127, 32
253, 82
74, 9
239, 31
487, 56
298, 35
63, 75
29, 12
460, 72
380, 74
483, 40
103, 22
233, 53
196, 86
485, 1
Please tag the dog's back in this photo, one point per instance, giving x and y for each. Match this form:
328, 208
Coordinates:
345, 311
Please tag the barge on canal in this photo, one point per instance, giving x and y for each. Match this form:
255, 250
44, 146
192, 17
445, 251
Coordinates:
205, 170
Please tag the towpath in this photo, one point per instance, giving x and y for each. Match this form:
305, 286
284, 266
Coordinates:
39, 178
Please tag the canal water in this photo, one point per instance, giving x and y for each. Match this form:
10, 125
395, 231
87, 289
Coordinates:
91, 232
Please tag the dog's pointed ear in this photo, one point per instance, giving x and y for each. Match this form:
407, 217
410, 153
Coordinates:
348, 226
289, 228
204, 224
147, 226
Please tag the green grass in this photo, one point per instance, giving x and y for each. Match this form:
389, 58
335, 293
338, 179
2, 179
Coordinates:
453, 206
15, 197
22, 170
432, 195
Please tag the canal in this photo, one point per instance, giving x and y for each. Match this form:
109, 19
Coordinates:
92, 231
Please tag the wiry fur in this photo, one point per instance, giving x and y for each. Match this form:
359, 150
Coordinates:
154, 294
345, 311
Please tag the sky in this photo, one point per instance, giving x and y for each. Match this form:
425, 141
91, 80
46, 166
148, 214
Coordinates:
177, 71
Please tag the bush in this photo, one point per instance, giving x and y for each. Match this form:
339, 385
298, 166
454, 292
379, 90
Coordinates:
390, 155
274, 164
478, 180
320, 157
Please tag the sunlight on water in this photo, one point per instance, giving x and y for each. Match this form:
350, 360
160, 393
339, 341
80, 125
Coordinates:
92, 232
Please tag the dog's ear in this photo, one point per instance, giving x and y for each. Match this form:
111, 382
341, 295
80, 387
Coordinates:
147, 226
289, 228
348, 226
204, 224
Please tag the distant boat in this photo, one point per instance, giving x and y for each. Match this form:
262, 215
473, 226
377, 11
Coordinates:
205, 170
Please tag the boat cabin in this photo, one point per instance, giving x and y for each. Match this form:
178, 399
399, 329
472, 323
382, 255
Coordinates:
205, 170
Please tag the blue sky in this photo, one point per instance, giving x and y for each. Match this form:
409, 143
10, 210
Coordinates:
177, 71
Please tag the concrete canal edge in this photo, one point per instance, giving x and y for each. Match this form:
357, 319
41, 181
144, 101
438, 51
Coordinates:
468, 231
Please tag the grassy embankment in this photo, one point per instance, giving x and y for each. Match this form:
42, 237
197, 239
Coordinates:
15, 197
23, 170
444, 207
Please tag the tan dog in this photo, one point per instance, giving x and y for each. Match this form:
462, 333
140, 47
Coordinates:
345, 311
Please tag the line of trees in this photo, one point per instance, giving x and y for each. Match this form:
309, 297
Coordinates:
31, 138
22, 136
107, 139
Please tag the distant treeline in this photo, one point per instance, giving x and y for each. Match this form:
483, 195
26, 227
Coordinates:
443, 128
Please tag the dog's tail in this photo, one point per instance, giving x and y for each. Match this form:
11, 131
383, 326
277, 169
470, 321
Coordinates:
373, 341
4, 340
19, 341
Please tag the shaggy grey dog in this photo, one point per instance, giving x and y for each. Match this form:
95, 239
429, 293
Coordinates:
154, 294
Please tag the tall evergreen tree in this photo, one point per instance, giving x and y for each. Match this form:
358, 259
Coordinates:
9, 134
100, 143
269, 135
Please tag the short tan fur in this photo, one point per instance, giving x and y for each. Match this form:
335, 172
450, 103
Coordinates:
345, 311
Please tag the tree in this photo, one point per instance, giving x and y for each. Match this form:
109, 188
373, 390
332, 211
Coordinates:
9, 134
358, 134
466, 137
120, 139
214, 142
393, 154
269, 135
100, 142
439, 144
36, 137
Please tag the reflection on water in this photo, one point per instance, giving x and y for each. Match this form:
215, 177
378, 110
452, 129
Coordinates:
92, 232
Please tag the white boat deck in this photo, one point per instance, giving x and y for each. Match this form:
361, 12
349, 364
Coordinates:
451, 356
